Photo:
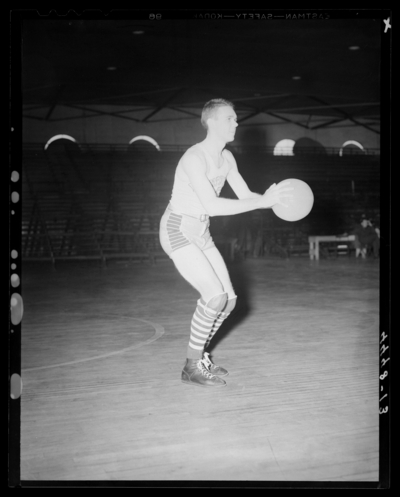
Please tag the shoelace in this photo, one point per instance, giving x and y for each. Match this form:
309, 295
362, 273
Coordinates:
202, 365
207, 361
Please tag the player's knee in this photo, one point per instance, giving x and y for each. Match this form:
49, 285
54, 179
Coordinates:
216, 304
230, 305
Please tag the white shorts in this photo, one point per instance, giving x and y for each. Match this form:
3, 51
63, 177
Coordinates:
178, 230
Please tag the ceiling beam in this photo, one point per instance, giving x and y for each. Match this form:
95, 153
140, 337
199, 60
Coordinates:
347, 116
97, 112
184, 111
328, 123
170, 119
55, 101
264, 107
34, 107
164, 104
287, 120
326, 106
268, 123
258, 111
266, 110
235, 100
33, 117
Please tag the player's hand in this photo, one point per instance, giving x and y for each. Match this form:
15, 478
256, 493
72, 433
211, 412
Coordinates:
276, 194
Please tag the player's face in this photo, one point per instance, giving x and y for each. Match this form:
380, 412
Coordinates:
225, 123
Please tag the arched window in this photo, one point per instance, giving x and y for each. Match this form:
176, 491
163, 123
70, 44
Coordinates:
59, 137
352, 144
284, 147
146, 138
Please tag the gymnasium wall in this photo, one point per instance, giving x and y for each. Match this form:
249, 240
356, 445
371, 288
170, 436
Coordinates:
174, 128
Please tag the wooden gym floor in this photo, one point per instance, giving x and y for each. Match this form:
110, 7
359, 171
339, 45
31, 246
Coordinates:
102, 353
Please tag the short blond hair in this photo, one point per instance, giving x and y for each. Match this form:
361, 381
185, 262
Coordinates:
211, 107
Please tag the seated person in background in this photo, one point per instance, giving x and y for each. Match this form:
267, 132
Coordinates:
377, 230
366, 237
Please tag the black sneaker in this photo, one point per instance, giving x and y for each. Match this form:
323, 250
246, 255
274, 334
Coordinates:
195, 372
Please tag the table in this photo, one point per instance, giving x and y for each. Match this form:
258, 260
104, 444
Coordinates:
314, 242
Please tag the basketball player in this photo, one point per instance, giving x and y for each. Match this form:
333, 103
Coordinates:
185, 236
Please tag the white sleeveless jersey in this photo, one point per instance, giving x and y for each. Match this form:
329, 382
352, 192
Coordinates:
184, 199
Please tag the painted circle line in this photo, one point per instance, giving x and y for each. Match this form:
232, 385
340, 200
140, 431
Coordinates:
159, 332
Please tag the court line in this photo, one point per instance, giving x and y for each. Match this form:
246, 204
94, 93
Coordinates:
159, 332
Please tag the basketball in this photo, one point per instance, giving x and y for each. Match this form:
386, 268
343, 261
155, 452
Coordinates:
299, 206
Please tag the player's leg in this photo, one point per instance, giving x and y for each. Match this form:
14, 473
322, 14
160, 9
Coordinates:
364, 251
197, 270
194, 266
357, 246
217, 262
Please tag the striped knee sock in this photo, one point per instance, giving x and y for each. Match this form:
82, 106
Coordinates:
220, 319
200, 329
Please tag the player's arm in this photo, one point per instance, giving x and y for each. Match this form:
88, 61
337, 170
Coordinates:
195, 169
236, 181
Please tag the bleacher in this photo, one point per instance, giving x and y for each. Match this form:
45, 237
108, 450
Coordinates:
105, 202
